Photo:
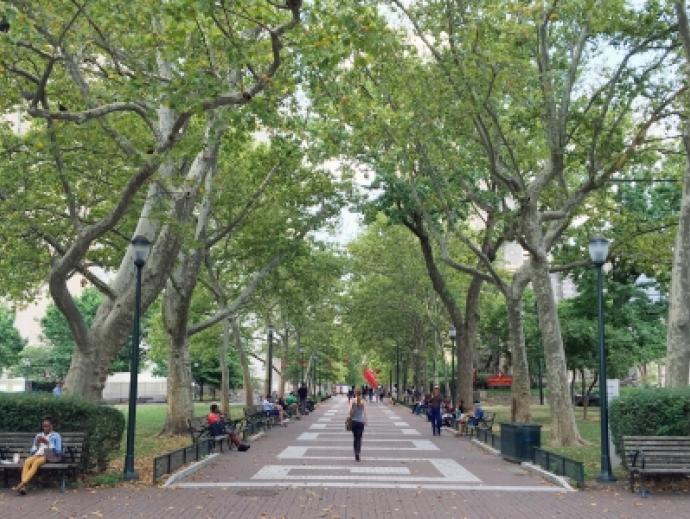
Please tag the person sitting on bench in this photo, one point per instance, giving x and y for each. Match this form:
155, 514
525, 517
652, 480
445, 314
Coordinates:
476, 416
291, 402
273, 409
218, 427
46, 447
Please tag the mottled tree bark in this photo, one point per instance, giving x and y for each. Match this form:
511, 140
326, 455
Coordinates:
563, 425
463, 372
678, 331
520, 392
244, 363
224, 370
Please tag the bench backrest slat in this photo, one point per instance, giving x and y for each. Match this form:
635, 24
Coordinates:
20, 443
660, 452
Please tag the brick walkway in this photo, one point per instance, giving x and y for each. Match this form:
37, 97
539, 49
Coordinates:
307, 471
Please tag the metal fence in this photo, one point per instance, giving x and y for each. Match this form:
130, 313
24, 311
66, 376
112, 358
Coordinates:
560, 465
171, 461
488, 437
550, 461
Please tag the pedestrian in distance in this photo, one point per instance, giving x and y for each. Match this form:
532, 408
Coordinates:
358, 413
57, 390
435, 411
302, 394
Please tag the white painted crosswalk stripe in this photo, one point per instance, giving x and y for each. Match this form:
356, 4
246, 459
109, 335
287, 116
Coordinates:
369, 485
451, 472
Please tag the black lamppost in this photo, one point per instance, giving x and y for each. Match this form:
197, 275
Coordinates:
301, 365
541, 381
398, 394
452, 333
140, 248
598, 251
269, 378
317, 383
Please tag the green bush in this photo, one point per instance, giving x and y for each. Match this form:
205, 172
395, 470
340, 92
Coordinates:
650, 412
103, 425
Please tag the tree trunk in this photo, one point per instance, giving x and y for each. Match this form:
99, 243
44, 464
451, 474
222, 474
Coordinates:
585, 396
572, 385
177, 300
438, 354
284, 364
589, 391
180, 407
244, 363
95, 350
86, 376
463, 373
224, 370
521, 397
404, 368
563, 426
472, 316
678, 334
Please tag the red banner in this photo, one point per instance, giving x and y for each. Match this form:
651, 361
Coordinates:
370, 377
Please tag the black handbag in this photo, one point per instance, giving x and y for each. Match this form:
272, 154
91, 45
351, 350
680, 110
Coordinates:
348, 423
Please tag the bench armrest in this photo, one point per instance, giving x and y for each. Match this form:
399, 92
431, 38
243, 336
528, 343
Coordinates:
634, 459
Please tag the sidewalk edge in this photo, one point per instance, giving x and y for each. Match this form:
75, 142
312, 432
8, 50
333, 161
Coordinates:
191, 469
548, 476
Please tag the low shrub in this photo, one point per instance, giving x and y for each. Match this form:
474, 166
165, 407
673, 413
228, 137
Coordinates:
103, 425
650, 412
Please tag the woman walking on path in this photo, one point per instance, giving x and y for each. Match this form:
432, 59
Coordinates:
435, 411
358, 413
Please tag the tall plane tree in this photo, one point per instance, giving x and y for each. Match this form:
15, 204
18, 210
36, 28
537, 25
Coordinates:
123, 97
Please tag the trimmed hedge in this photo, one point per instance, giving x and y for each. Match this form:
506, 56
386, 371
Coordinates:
102, 424
650, 412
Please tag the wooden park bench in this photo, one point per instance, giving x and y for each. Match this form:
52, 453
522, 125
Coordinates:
20, 443
655, 456
199, 430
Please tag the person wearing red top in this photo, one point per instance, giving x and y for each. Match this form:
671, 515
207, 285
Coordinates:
218, 427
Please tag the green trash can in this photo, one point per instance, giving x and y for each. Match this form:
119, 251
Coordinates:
518, 440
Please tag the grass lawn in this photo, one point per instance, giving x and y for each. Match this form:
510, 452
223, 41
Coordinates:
589, 430
148, 445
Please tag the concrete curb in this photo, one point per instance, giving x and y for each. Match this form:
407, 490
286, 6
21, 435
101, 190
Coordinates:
191, 469
530, 467
549, 476
487, 448
256, 436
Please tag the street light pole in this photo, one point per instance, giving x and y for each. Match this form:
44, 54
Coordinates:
301, 365
598, 251
269, 378
398, 394
141, 247
452, 333
541, 381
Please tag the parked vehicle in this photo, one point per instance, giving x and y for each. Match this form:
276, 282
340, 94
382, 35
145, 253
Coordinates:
579, 400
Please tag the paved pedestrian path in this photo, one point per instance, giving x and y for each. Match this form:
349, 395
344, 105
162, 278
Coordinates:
398, 451
307, 471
